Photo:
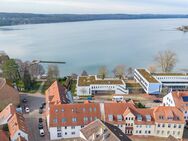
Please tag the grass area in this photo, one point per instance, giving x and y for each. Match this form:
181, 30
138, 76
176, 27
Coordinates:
33, 89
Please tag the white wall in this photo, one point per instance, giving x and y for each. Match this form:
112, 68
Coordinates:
16, 135
168, 100
66, 133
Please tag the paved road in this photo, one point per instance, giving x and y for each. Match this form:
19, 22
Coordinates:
34, 102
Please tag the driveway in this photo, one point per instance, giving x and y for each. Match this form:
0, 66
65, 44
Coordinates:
34, 102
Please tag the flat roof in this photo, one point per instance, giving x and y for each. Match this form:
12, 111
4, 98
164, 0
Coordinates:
92, 80
170, 74
148, 76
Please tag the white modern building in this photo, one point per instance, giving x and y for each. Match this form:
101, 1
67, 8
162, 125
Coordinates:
153, 83
150, 84
92, 85
179, 100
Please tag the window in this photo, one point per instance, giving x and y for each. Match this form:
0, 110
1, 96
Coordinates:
168, 132
73, 133
91, 118
163, 125
178, 132
90, 109
162, 132
146, 132
159, 125
72, 127
62, 110
55, 120
95, 118
174, 125
56, 110
119, 117
132, 118
58, 128
59, 135
149, 132
140, 131
126, 118
137, 131
179, 126
110, 117
65, 133
94, 109
85, 119
158, 131
84, 109
74, 119
169, 125
64, 119
82, 126
65, 127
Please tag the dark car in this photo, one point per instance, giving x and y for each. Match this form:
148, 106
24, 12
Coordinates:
40, 125
40, 120
40, 110
24, 100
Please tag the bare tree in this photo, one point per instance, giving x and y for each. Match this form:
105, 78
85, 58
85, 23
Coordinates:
119, 71
103, 72
84, 73
53, 72
166, 60
130, 73
152, 68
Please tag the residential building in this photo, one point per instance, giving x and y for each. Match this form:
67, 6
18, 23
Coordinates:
153, 83
178, 99
149, 83
99, 131
16, 123
92, 85
8, 94
65, 120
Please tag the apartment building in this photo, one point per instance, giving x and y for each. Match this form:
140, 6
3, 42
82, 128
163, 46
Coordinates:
149, 83
16, 123
65, 120
178, 99
153, 83
92, 85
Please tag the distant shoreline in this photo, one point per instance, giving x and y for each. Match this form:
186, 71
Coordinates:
10, 19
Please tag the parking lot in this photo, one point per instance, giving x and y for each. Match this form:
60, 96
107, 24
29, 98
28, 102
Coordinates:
34, 101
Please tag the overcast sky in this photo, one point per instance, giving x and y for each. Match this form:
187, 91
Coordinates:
95, 6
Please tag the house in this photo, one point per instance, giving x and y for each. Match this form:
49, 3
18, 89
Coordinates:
100, 130
16, 123
153, 83
8, 94
66, 120
178, 99
92, 85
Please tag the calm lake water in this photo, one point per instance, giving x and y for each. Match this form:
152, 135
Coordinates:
88, 45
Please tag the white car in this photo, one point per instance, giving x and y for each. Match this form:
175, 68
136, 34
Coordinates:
41, 132
27, 110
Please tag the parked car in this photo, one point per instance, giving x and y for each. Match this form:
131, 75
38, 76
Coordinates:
41, 131
27, 110
40, 125
40, 120
24, 100
40, 110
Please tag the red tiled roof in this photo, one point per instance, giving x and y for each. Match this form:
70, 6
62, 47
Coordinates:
56, 94
3, 136
73, 111
177, 96
168, 114
16, 123
7, 112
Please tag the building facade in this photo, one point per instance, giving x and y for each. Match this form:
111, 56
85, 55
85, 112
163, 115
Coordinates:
92, 85
178, 99
153, 83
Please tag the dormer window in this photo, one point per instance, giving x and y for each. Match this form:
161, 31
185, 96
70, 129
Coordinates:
161, 117
148, 117
139, 117
119, 117
110, 117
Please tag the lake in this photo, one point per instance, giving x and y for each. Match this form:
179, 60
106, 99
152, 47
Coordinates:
88, 45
